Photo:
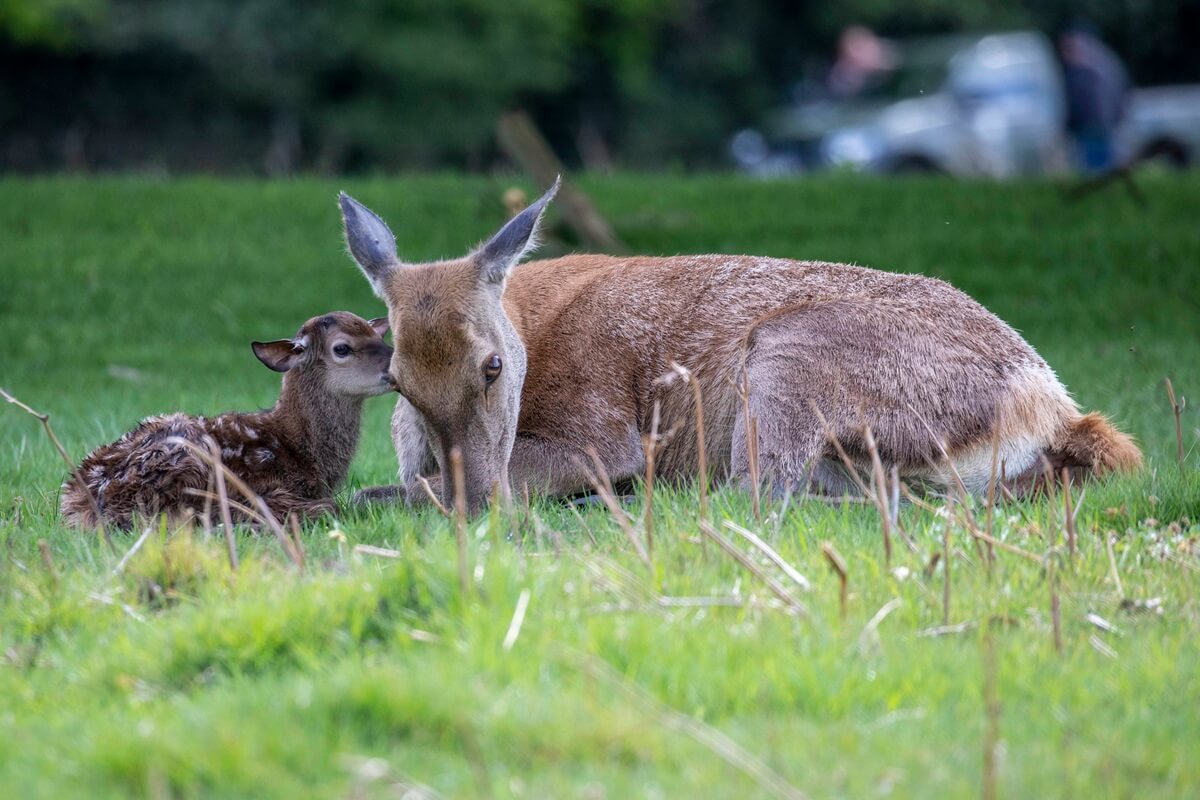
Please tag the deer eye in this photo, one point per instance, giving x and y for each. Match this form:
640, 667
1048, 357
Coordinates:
491, 369
341, 350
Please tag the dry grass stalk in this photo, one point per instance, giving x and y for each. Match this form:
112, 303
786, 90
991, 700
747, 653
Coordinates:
600, 482
755, 474
964, 494
649, 446
433, 498
1068, 511
380, 552
838, 564
62, 451
1177, 409
991, 494
217, 477
737, 555
717, 742
297, 542
771, 554
701, 451
213, 458
946, 574
750, 424
894, 502
132, 551
991, 732
851, 470
518, 619
881, 495
460, 518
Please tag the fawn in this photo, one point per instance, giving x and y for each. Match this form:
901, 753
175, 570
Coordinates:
531, 369
294, 456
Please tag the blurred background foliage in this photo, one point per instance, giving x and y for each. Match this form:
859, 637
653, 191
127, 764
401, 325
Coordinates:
270, 86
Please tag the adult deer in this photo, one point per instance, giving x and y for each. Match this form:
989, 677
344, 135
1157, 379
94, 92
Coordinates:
527, 367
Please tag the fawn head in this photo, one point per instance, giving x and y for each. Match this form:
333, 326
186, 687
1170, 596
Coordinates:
458, 358
343, 352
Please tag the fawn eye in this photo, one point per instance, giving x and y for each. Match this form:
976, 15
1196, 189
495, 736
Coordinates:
491, 369
341, 350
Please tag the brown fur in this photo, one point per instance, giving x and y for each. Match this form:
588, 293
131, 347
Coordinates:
916, 360
294, 455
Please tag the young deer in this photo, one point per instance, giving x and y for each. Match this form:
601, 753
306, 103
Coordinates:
294, 455
526, 369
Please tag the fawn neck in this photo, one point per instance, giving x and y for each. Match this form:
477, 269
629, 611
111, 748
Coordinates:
321, 426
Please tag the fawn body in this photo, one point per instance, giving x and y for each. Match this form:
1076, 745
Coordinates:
294, 456
527, 368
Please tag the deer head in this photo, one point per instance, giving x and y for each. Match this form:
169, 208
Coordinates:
458, 358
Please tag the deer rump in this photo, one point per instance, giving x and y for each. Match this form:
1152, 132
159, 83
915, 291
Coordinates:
820, 350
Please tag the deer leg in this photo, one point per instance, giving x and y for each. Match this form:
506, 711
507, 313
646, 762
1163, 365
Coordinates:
557, 468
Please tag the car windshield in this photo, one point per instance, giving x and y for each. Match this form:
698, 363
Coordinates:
922, 69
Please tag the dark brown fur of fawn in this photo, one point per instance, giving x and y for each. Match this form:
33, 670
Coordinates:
294, 456
584, 339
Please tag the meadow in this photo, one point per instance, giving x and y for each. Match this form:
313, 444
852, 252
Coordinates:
568, 666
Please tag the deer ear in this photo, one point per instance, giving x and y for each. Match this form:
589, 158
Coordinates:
512, 242
280, 355
380, 325
370, 241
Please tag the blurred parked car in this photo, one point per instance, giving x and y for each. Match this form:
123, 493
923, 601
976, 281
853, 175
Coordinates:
965, 105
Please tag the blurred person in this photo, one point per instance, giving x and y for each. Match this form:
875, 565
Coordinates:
862, 58
1097, 87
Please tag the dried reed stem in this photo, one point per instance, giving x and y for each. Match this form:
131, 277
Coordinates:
649, 446
841, 451
737, 555
62, 451
297, 542
433, 498
213, 459
880, 494
771, 554
755, 475
218, 479
838, 564
701, 451
602, 485
946, 573
1177, 409
132, 551
991, 494
518, 619
1068, 511
460, 518
381, 552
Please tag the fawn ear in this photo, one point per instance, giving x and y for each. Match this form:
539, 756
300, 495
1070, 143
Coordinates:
280, 355
512, 242
380, 325
370, 241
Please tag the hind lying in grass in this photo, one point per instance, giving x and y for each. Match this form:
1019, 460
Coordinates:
294, 456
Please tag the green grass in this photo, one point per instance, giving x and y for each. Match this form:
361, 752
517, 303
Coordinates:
125, 297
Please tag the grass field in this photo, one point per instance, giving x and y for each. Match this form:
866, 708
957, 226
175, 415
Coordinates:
372, 677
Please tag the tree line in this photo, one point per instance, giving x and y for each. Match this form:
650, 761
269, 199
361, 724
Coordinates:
278, 86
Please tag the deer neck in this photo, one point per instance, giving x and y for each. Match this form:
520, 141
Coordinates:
321, 427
